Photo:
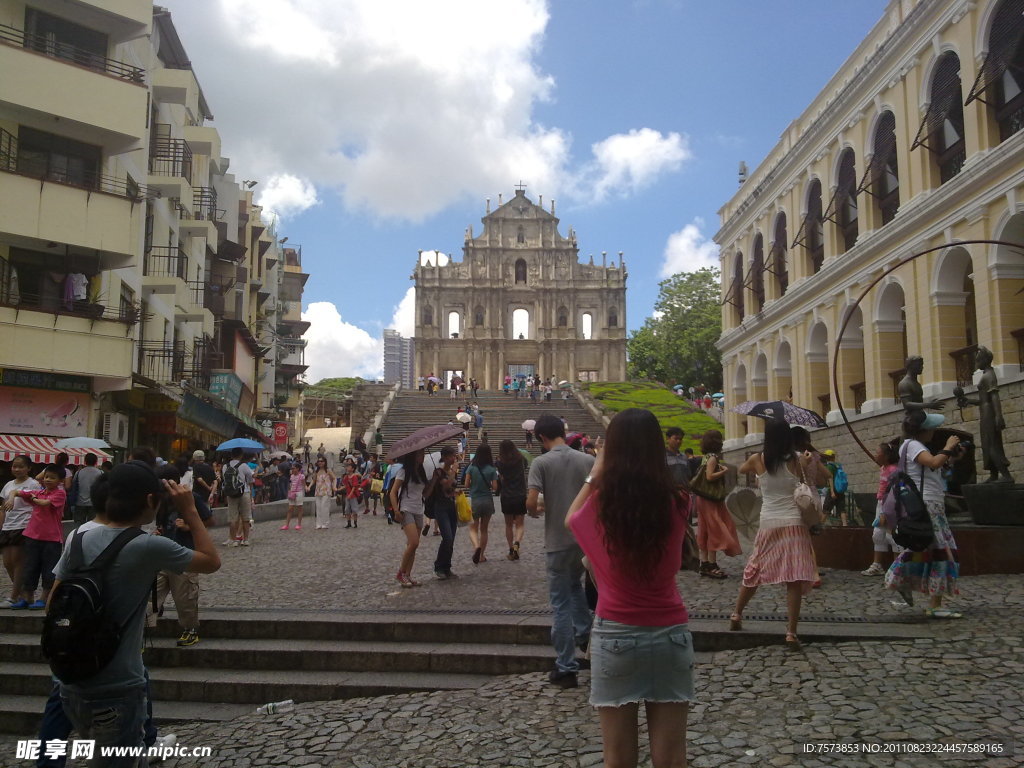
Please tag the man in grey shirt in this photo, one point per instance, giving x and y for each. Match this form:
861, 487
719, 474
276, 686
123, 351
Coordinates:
559, 473
132, 496
81, 488
678, 463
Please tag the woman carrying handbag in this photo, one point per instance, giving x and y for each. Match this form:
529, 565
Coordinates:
716, 531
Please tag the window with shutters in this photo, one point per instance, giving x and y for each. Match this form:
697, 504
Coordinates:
777, 257
811, 234
842, 209
756, 278
1000, 80
881, 179
942, 130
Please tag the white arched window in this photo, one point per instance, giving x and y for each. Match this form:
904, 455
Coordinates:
453, 323
587, 325
521, 324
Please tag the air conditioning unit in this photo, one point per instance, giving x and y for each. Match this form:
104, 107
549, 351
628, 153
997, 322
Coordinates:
115, 429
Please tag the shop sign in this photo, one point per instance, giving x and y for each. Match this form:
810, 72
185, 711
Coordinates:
227, 386
281, 432
43, 412
157, 402
267, 428
60, 382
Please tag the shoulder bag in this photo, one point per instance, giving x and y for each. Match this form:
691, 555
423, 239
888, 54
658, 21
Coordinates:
808, 501
713, 490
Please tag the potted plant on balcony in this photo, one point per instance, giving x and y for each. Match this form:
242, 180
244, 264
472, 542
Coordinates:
95, 302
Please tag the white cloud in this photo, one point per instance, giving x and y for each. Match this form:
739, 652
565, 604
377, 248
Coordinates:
688, 250
402, 107
339, 348
430, 258
627, 162
285, 195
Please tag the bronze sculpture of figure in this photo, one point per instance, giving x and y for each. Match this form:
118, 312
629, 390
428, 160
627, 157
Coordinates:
991, 418
910, 390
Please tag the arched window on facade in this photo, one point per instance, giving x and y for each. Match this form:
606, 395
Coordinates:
454, 322
882, 179
756, 281
521, 324
734, 295
777, 258
563, 317
842, 209
1000, 81
428, 315
811, 235
521, 271
942, 131
521, 236
587, 326
478, 316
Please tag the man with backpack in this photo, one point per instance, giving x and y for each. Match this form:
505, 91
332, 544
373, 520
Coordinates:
838, 485
236, 484
92, 634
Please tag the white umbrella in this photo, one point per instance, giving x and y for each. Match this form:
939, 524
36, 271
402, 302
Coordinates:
564, 385
80, 442
529, 425
280, 455
464, 417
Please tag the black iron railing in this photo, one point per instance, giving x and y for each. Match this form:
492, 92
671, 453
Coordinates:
197, 293
169, 156
951, 162
165, 261
163, 361
35, 166
963, 360
70, 53
19, 299
204, 204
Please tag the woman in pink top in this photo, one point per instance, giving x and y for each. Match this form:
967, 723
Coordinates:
296, 497
43, 536
630, 520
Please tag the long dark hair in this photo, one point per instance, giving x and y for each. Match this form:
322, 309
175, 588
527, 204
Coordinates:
802, 440
636, 493
778, 445
483, 456
414, 471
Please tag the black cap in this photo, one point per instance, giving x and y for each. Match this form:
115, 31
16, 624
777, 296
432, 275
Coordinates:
133, 478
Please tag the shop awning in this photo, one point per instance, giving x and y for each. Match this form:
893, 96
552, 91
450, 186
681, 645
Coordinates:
41, 451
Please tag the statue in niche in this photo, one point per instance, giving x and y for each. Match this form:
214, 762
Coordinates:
990, 417
910, 391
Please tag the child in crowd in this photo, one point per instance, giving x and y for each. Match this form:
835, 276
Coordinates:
353, 484
886, 457
296, 497
376, 486
15, 514
43, 536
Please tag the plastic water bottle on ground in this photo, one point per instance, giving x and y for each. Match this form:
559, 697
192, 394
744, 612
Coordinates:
275, 707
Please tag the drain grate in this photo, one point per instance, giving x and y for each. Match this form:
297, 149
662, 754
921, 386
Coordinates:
822, 619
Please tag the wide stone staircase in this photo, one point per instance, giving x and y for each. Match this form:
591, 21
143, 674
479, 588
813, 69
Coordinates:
503, 415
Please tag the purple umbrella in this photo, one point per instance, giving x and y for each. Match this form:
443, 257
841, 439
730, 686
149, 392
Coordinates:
423, 438
780, 410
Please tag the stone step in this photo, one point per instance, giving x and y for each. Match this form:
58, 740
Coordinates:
311, 655
249, 686
20, 714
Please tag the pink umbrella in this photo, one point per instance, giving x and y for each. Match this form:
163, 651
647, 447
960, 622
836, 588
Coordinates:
423, 438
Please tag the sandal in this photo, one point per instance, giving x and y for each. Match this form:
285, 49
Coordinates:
942, 613
714, 572
735, 623
476, 556
793, 642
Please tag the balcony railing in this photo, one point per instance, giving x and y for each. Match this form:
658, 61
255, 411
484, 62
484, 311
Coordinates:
952, 161
36, 167
70, 53
167, 156
12, 296
204, 204
963, 359
197, 293
163, 361
165, 261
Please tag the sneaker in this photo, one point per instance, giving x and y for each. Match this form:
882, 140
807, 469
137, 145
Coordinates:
283, 528
162, 743
426, 529
243, 543
227, 542
404, 580
451, 575
298, 527
440, 575
235, 543
563, 679
188, 637
873, 570
38, 605
6, 603
515, 550
18, 605
907, 595
511, 554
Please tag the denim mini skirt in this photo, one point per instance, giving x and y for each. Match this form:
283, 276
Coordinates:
630, 664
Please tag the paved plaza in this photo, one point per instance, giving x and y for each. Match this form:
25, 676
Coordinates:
956, 682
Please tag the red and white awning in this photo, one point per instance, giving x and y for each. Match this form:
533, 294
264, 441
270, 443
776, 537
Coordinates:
41, 451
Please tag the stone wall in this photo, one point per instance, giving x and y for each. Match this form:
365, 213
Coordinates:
877, 428
366, 401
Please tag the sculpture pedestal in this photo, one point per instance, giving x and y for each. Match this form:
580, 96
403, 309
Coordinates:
995, 503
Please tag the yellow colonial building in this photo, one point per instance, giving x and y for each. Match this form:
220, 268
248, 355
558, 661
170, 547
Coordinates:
914, 144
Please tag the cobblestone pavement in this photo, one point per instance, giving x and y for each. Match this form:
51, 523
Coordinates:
961, 686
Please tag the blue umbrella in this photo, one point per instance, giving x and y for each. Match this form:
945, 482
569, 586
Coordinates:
241, 442
678, 386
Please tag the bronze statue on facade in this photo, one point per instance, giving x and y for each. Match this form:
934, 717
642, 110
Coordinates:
910, 391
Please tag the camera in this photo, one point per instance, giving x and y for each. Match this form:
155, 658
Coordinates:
962, 446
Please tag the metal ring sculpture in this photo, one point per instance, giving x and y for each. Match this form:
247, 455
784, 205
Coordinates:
849, 314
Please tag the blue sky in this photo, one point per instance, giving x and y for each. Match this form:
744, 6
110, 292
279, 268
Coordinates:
377, 129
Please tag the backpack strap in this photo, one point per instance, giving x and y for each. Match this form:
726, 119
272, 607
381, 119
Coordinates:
106, 557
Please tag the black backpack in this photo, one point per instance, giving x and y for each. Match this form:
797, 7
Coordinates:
232, 483
79, 640
913, 529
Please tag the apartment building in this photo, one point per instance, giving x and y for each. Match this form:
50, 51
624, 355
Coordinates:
398, 359
136, 272
914, 145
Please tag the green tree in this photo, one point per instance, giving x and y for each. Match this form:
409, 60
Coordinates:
677, 344
344, 384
